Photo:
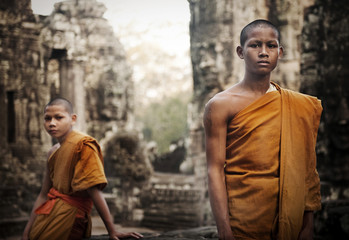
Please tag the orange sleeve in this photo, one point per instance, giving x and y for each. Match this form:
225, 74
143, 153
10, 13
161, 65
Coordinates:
89, 169
313, 196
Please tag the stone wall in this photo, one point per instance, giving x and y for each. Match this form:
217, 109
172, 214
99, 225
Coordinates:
324, 73
128, 170
22, 95
172, 201
203, 233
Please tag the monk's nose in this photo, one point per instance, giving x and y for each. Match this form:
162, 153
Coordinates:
52, 122
263, 51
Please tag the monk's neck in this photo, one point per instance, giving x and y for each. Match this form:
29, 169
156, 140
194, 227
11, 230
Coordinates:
258, 86
63, 138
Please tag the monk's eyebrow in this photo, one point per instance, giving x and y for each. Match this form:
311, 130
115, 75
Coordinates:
59, 115
259, 41
273, 41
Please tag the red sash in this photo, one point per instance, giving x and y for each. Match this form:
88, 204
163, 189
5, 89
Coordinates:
82, 203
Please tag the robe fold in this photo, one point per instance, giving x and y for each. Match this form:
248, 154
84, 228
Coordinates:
74, 167
270, 171
299, 180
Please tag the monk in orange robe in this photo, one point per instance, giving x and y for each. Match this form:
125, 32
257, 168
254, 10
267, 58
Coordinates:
260, 149
72, 184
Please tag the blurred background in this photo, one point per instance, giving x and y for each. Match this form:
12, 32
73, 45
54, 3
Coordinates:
139, 73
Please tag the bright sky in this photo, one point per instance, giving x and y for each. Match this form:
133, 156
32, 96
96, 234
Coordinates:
140, 14
148, 10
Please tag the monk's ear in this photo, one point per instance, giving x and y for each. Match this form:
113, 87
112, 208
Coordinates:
281, 52
73, 118
239, 51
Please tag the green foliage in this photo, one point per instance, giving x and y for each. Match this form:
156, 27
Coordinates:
165, 121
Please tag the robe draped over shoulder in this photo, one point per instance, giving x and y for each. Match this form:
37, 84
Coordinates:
77, 165
270, 168
74, 167
299, 179
252, 168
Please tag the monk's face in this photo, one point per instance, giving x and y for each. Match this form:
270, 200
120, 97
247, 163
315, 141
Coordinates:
58, 122
261, 50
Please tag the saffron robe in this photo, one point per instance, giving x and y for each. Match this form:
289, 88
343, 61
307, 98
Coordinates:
74, 167
270, 165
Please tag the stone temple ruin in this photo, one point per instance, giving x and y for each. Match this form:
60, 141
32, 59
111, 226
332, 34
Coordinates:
74, 53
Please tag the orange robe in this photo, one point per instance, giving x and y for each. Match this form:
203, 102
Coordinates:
74, 167
270, 165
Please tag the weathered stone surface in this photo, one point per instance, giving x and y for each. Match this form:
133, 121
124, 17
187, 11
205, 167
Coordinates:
21, 99
22, 96
171, 161
208, 232
172, 201
91, 56
332, 222
128, 171
324, 73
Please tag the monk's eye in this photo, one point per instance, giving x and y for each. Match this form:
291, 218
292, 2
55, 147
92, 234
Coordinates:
47, 119
254, 45
272, 46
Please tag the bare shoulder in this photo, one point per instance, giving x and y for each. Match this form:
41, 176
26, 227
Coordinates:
53, 149
224, 104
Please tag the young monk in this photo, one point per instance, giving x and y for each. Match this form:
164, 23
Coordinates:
73, 181
260, 149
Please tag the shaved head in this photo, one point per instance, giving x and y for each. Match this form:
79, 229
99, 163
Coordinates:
63, 102
257, 23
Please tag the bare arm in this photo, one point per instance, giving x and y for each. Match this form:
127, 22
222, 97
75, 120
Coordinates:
307, 229
215, 122
104, 213
42, 197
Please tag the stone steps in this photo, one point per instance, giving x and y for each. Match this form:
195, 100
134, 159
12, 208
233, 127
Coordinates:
12, 226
